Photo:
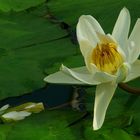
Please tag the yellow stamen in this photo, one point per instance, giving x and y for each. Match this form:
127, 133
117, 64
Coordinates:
106, 57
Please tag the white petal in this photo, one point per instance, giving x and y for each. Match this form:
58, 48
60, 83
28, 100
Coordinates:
103, 77
134, 43
81, 74
85, 31
105, 38
34, 107
121, 28
30, 106
86, 50
104, 94
134, 72
62, 78
123, 72
14, 115
93, 22
4, 107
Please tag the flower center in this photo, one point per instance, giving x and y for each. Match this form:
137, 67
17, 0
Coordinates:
106, 57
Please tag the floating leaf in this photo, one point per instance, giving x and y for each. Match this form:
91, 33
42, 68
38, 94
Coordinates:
7, 5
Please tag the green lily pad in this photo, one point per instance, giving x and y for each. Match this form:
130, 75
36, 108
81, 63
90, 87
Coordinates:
105, 12
45, 125
16, 5
29, 45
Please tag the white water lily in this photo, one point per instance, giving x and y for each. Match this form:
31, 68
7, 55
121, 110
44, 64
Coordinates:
109, 58
19, 112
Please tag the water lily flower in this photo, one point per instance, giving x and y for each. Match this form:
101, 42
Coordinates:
9, 114
109, 58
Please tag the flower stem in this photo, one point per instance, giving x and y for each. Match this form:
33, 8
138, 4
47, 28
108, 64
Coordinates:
135, 91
